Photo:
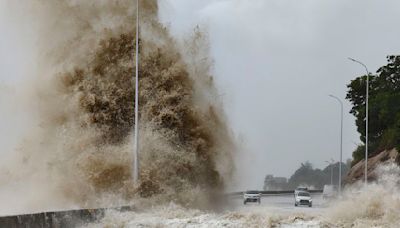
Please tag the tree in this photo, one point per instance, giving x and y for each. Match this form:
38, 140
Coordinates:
384, 108
306, 175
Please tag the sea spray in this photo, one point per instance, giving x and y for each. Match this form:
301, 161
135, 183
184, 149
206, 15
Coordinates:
376, 204
80, 154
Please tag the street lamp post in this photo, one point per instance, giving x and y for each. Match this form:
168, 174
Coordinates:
330, 164
341, 142
136, 133
366, 119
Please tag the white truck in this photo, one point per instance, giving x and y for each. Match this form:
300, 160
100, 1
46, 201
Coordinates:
300, 189
329, 192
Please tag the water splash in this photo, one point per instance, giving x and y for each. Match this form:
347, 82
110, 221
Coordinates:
80, 155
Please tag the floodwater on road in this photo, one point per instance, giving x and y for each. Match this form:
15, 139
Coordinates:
274, 211
374, 205
283, 203
282, 212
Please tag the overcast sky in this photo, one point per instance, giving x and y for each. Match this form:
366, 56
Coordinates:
276, 62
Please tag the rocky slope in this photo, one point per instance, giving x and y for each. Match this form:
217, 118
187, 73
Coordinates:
357, 171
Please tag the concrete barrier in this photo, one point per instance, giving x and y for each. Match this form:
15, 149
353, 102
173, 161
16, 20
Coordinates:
60, 219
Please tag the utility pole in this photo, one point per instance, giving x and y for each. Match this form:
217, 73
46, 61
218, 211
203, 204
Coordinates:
135, 170
366, 119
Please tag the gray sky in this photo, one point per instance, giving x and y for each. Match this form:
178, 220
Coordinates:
276, 61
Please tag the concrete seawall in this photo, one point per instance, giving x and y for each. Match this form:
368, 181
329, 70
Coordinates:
60, 219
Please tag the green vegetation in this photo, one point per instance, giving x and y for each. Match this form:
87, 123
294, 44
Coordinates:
384, 108
307, 176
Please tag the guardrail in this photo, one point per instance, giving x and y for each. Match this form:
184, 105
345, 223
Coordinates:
275, 192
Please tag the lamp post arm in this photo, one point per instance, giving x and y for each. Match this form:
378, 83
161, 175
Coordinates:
362, 64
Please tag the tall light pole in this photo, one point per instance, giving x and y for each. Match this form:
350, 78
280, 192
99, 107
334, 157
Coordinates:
135, 171
341, 142
330, 164
366, 119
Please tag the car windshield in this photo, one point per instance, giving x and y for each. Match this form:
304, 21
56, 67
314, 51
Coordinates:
304, 194
252, 192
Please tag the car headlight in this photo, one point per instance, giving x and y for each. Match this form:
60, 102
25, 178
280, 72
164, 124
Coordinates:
310, 200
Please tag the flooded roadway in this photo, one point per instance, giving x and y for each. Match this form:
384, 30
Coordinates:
274, 211
281, 203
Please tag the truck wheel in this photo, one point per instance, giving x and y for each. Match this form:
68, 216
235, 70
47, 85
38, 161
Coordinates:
310, 205
295, 204
244, 202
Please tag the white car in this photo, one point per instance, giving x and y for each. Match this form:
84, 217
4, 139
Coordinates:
302, 198
252, 196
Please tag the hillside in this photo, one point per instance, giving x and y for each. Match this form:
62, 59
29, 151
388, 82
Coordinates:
357, 171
